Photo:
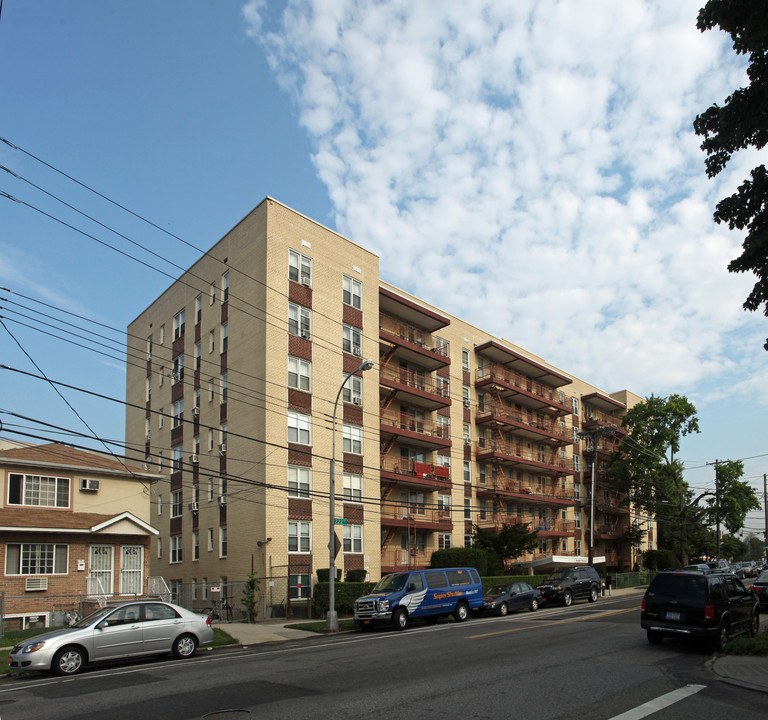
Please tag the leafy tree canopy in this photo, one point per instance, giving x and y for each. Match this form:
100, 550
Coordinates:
740, 123
508, 543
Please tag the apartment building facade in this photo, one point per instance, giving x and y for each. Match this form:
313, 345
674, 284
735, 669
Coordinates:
239, 371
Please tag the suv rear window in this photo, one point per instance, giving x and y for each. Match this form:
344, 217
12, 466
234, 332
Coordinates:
685, 588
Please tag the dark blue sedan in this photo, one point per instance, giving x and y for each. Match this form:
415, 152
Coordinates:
505, 597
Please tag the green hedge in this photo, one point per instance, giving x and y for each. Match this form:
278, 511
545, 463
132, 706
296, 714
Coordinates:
461, 557
346, 593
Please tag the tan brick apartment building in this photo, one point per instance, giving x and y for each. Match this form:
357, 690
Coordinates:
232, 376
73, 525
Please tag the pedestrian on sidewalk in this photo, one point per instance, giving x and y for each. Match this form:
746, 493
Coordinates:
608, 583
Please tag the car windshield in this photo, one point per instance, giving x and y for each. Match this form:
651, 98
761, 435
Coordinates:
763, 577
498, 590
557, 577
391, 583
94, 617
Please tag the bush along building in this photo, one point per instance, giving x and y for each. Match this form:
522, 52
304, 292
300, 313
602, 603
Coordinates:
239, 372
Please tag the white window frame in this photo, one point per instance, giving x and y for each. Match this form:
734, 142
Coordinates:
352, 292
299, 320
223, 541
353, 539
224, 337
177, 503
299, 536
198, 309
352, 438
300, 586
179, 323
177, 550
353, 390
36, 558
299, 268
299, 481
299, 428
225, 287
33, 494
352, 340
299, 374
444, 541
353, 488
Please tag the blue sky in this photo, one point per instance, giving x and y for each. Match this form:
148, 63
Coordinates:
528, 166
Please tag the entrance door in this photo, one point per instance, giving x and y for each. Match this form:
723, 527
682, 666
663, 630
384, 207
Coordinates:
102, 567
132, 570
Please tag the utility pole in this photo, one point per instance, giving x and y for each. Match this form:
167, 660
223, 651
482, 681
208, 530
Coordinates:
592, 435
717, 509
765, 509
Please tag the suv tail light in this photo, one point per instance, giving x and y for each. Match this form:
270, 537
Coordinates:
709, 612
642, 605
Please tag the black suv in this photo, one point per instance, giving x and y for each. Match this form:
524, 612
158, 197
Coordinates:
690, 603
571, 584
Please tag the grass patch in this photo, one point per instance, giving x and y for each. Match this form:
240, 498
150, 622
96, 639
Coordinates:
742, 645
320, 626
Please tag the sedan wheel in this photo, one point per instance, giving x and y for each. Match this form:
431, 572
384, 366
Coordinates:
754, 624
503, 609
184, 646
534, 605
68, 661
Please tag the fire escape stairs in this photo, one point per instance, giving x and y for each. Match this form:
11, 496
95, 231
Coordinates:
388, 538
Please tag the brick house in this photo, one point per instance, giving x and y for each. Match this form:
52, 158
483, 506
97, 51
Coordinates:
74, 528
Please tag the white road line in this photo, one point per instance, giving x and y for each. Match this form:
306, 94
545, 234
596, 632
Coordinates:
659, 703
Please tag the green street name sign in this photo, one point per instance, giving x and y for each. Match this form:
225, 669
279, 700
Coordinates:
340, 521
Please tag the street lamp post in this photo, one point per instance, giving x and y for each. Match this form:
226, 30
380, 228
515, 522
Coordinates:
332, 618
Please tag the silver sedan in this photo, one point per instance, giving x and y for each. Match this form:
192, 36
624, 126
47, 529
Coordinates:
115, 632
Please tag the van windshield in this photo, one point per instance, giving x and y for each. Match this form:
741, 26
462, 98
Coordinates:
391, 583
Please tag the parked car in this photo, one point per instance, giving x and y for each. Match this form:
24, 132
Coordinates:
740, 570
703, 567
688, 603
115, 632
760, 588
572, 584
719, 565
501, 599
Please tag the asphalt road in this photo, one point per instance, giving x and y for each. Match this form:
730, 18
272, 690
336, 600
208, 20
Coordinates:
587, 661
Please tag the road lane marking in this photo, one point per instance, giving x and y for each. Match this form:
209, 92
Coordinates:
659, 703
555, 622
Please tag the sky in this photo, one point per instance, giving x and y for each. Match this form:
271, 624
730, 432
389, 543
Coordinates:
529, 166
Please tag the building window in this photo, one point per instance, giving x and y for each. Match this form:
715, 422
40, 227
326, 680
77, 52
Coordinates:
178, 369
198, 309
467, 434
162, 334
196, 399
444, 505
224, 386
176, 503
149, 348
211, 389
224, 337
577, 547
466, 397
467, 541
352, 340
467, 471
465, 359
353, 538
353, 487
299, 536
467, 509
160, 376
575, 405
443, 461
443, 541
210, 539
36, 559
179, 323
353, 390
159, 504
198, 356
211, 341
300, 268
352, 292
178, 413
212, 293
299, 321
353, 439
223, 542
160, 418
444, 426
577, 463
195, 545
443, 386
225, 287
159, 548
300, 587
299, 428
38, 490
299, 374
177, 553
177, 458
299, 481
148, 395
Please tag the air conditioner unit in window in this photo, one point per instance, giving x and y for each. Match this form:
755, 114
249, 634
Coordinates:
89, 485
306, 334
193, 506
222, 499
357, 351
149, 437
149, 357
36, 583
223, 448
305, 281
196, 411
357, 401
194, 459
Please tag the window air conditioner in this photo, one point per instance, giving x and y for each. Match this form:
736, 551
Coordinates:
36, 583
305, 281
194, 459
196, 411
149, 357
222, 448
357, 351
193, 506
222, 499
89, 485
357, 401
306, 334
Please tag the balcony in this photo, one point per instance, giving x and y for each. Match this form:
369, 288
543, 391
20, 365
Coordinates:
611, 506
412, 344
594, 419
396, 559
611, 531
526, 390
516, 455
549, 527
502, 486
414, 473
524, 424
417, 432
413, 515
415, 388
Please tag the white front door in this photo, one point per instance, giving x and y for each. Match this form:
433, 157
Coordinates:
132, 570
102, 566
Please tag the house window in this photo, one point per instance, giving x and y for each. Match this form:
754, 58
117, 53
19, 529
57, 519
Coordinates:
131, 570
299, 536
198, 309
178, 413
178, 324
300, 268
353, 439
353, 538
224, 337
299, 374
223, 542
467, 541
38, 490
352, 340
300, 587
299, 321
353, 390
299, 428
176, 503
225, 287
353, 487
443, 541
36, 559
195, 545
177, 553
465, 359
352, 292
299, 481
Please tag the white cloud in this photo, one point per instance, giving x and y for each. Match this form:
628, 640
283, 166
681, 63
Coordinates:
537, 158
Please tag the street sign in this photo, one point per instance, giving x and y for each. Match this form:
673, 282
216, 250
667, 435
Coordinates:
340, 521
336, 545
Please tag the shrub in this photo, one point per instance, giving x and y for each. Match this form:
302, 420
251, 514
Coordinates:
324, 574
660, 559
345, 595
356, 576
461, 557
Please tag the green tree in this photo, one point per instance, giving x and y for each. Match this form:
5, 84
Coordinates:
742, 122
250, 598
508, 543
